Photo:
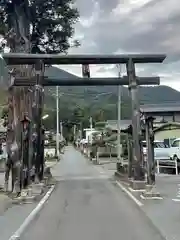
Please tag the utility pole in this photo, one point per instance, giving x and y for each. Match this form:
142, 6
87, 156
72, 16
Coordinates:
57, 122
81, 130
74, 132
91, 127
61, 131
119, 159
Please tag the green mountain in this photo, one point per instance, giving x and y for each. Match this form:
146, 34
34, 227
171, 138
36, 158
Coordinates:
150, 94
105, 97
97, 101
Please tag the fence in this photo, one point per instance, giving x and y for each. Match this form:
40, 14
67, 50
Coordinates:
168, 164
163, 164
106, 154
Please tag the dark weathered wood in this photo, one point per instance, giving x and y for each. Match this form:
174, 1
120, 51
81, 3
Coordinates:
86, 81
24, 58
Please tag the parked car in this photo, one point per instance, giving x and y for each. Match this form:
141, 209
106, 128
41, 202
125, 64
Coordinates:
49, 152
161, 150
175, 149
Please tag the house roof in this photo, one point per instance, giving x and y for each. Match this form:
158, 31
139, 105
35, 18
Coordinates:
113, 124
160, 108
176, 124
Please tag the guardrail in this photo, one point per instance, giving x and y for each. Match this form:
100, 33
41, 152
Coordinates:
110, 157
164, 163
171, 164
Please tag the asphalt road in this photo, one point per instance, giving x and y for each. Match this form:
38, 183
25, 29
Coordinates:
87, 205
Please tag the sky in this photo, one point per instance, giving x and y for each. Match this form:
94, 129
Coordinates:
130, 26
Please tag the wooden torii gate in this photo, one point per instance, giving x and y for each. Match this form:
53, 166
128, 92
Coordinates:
39, 61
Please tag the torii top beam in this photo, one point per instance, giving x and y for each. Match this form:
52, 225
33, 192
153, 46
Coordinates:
24, 58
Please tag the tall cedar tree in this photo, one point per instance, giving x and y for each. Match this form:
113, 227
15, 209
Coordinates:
51, 23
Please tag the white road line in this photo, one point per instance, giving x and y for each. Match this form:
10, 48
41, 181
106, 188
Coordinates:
32, 215
99, 170
151, 198
129, 194
136, 190
176, 200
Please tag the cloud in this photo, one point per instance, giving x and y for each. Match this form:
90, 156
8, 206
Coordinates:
131, 26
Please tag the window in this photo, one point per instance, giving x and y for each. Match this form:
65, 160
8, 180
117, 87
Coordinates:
171, 140
167, 142
175, 143
159, 145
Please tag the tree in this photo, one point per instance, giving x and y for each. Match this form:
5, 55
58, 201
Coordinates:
31, 26
49, 24
99, 115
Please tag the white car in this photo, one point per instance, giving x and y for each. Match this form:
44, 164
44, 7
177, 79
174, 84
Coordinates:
83, 141
49, 152
175, 149
161, 151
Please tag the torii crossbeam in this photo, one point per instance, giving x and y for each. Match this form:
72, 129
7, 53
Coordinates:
86, 81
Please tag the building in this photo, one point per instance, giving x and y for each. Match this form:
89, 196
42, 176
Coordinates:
167, 132
88, 133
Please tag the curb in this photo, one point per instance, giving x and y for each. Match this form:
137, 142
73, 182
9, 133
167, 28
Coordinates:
32, 215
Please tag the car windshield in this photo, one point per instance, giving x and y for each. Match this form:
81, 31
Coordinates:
159, 145
156, 145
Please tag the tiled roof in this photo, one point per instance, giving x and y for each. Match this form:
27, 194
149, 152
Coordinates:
112, 124
160, 108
